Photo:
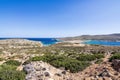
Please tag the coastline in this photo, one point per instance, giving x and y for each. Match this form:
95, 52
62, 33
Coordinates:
52, 41
42, 41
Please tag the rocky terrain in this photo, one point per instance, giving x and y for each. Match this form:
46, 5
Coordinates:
19, 43
102, 71
28, 60
43, 71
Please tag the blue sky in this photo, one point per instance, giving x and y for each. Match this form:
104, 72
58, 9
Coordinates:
58, 18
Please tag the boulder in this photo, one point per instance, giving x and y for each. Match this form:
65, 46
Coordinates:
28, 68
47, 74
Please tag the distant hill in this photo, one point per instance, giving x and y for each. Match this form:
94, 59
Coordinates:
111, 37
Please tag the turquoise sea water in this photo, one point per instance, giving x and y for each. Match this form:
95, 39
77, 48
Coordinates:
101, 42
45, 41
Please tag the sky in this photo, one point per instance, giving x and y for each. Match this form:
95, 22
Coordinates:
58, 18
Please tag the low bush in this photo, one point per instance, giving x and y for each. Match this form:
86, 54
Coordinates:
12, 75
13, 62
115, 56
75, 65
89, 57
7, 67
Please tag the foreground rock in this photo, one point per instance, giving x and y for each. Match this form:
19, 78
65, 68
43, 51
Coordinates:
116, 65
42, 71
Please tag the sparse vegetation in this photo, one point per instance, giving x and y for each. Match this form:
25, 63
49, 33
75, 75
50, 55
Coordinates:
115, 56
8, 71
13, 62
89, 57
1, 59
7, 67
12, 75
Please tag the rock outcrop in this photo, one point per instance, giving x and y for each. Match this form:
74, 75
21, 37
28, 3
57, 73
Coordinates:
116, 65
42, 71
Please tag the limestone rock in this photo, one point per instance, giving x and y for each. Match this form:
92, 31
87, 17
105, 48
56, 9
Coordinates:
42, 71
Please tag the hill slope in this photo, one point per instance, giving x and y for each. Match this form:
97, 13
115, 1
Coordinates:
111, 37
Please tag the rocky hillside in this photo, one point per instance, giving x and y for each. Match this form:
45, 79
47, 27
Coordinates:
113, 37
19, 43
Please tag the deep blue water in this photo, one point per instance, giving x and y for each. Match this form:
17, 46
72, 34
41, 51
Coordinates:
101, 42
45, 41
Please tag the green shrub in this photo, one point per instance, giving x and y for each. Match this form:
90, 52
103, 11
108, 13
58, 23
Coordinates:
99, 56
36, 58
12, 75
89, 57
7, 67
10, 65
46, 58
115, 56
75, 65
13, 62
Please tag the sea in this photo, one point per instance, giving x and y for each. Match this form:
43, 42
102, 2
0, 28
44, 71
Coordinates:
103, 42
45, 41
51, 41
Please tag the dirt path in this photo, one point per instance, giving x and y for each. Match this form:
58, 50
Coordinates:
106, 57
